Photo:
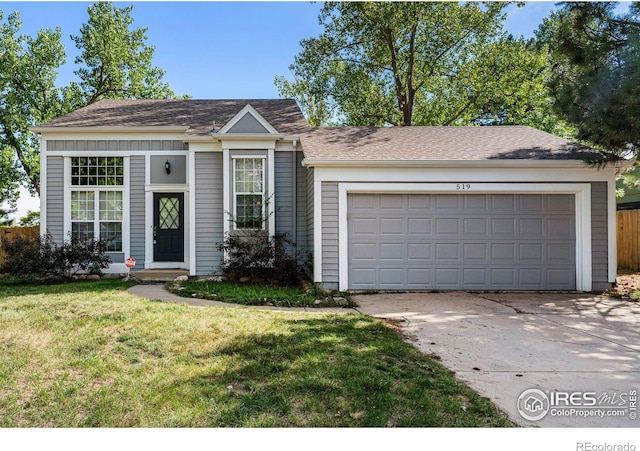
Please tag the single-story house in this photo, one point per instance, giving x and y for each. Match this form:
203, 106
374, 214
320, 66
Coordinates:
398, 208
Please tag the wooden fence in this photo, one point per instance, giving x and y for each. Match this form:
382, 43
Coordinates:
628, 239
9, 233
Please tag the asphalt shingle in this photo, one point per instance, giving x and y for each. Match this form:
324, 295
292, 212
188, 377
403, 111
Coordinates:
334, 143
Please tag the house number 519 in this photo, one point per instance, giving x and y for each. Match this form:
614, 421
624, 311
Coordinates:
463, 186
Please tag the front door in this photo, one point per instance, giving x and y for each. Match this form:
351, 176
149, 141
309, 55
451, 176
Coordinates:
168, 227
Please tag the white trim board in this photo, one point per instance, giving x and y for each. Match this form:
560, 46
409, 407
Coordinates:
582, 192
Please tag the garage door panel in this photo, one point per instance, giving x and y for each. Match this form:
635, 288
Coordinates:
392, 226
486, 241
392, 251
562, 203
503, 226
475, 202
419, 251
530, 226
531, 251
472, 226
475, 277
559, 227
447, 251
446, 226
418, 226
503, 202
475, 251
531, 203
447, 277
560, 251
418, 278
446, 202
364, 251
365, 226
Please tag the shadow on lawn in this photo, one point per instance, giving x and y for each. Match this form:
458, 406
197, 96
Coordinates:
347, 371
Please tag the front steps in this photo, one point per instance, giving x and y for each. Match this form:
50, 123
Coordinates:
158, 275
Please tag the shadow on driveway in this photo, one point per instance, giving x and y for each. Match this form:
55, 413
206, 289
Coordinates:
502, 344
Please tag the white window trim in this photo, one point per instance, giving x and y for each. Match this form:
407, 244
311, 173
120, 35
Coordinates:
582, 192
68, 188
266, 199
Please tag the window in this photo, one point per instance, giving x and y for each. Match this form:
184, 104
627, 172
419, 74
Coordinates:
97, 171
249, 192
97, 212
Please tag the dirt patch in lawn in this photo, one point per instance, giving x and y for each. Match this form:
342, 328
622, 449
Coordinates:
627, 282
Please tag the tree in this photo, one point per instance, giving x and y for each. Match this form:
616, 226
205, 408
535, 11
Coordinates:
30, 219
596, 73
115, 62
418, 63
28, 69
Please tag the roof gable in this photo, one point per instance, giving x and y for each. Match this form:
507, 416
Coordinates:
247, 121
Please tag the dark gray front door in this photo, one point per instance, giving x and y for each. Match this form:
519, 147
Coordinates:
451, 241
168, 227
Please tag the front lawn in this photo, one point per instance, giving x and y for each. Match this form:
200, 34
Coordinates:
92, 355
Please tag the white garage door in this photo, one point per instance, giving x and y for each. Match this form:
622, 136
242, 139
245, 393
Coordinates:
462, 241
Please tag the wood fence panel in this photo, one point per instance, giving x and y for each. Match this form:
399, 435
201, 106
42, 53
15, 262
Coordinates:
628, 239
10, 233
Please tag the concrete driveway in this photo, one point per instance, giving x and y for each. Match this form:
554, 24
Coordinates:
581, 352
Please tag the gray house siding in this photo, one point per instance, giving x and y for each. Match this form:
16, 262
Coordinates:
284, 192
137, 210
301, 203
122, 145
55, 197
310, 207
208, 215
599, 234
330, 250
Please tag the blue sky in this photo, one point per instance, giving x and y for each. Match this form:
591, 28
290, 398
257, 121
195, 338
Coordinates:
219, 49
216, 49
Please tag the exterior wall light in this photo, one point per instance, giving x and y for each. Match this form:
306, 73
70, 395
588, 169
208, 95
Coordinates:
167, 167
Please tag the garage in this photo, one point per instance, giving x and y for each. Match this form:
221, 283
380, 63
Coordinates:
461, 241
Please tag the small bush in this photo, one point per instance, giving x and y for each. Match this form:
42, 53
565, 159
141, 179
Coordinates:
43, 258
258, 258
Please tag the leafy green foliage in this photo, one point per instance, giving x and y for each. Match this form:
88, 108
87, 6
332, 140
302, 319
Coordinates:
254, 256
43, 258
30, 219
245, 294
28, 69
418, 63
114, 62
596, 73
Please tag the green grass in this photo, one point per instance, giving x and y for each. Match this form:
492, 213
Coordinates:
92, 355
248, 294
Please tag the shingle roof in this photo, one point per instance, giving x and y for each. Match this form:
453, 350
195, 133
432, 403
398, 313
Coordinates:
437, 143
198, 115
333, 143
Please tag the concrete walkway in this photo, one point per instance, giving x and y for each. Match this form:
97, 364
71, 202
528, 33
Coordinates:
504, 344
158, 292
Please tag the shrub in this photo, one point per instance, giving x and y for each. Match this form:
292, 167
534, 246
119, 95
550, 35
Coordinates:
256, 257
45, 259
